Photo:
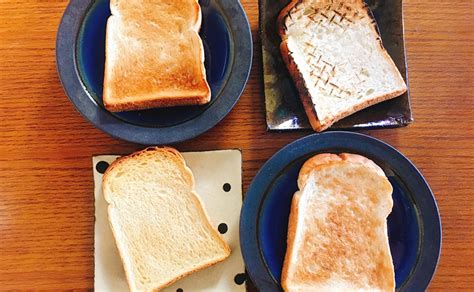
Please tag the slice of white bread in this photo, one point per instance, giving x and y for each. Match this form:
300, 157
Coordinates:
154, 55
337, 230
160, 227
334, 54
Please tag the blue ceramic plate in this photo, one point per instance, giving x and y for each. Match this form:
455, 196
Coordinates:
80, 54
414, 226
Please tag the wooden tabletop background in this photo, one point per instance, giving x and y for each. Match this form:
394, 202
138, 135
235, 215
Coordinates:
46, 184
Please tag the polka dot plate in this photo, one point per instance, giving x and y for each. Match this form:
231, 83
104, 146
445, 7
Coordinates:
218, 178
414, 226
80, 55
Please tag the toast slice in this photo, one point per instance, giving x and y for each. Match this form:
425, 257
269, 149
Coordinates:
337, 230
154, 55
160, 227
334, 53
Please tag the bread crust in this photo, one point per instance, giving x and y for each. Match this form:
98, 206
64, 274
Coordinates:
328, 158
302, 88
190, 179
300, 82
290, 250
155, 98
156, 103
311, 165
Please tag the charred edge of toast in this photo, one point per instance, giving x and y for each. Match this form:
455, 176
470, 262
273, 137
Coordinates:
301, 86
284, 15
293, 69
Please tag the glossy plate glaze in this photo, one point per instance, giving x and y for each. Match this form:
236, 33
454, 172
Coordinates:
414, 226
80, 53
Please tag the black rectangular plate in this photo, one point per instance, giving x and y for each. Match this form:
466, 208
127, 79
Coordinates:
283, 107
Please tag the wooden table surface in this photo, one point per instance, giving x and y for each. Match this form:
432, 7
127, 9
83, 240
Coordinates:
46, 185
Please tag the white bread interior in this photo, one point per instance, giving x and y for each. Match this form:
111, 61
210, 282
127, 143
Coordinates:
334, 53
160, 226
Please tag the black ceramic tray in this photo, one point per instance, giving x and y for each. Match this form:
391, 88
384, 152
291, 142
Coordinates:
283, 106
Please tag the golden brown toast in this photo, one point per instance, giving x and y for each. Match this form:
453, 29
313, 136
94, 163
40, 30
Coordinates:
154, 55
337, 230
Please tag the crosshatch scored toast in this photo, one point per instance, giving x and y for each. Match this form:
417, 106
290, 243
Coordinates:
337, 230
335, 55
154, 55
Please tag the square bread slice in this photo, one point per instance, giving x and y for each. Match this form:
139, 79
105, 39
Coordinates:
154, 55
337, 229
160, 227
334, 54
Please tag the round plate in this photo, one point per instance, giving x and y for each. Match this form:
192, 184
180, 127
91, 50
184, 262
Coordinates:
80, 54
414, 226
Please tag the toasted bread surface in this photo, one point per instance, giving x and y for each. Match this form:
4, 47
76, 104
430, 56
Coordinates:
154, 55
160, 226
334, 54
337, 231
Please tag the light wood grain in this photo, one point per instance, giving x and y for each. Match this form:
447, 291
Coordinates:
46, 191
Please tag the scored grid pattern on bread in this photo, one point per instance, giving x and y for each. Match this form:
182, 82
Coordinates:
322, 69
337, 233
334, 74
153, 213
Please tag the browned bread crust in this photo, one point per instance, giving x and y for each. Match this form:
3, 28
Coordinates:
382, 277
154, 56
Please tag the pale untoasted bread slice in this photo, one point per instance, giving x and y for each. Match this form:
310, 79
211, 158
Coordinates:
154, 55
337, 230
334, 54
159, 224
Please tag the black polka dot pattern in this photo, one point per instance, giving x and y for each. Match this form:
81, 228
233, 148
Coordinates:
101, 166
222, 228
239, 279
179, 290
226, 187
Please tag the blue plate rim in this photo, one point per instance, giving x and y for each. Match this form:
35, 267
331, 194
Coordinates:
431, 238
68, 71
